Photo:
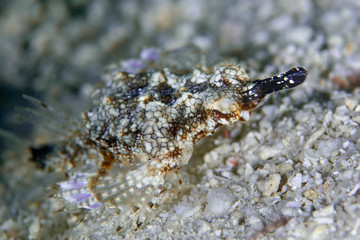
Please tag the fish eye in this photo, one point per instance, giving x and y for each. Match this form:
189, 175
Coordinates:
224, 111
222, 118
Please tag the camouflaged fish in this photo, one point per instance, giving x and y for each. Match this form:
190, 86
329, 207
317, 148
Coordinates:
144, 126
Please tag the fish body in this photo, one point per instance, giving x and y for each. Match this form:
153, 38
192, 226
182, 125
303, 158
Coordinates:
144, 126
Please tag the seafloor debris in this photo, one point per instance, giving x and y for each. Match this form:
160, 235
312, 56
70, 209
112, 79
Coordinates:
144, 126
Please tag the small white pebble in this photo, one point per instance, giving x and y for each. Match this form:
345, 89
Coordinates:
346, 144
186, 209
357, 108
348, 174
248, 170
205, 227
351, 103
296, 181
255, 223
219, 201
324, 212
266, 152
34, 229
285, 167
320, 232
271, 185
356, 227
324, 220
288, 211
218, 232
354, 190
312, 155
310, 194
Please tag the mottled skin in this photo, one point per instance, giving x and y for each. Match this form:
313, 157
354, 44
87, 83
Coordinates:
145, 125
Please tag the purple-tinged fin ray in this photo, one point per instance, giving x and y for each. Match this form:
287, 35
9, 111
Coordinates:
71, 185
150, 54
95, 205
79, 197
132, 65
